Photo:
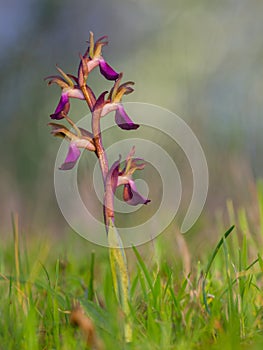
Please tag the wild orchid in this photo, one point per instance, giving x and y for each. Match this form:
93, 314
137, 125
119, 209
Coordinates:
113, 103
81, 139
70, 89
93, 57
117, 177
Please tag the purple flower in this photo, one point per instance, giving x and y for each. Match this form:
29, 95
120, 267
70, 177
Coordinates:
117, 177
69, 90
123, 176
107, 71
72, 157
123, 120
113, 103
84, 140
93, 58
130, 193
63, 106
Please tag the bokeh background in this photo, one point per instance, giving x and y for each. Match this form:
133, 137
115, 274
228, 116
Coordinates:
201, 59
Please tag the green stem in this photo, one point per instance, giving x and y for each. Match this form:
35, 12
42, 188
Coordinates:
120, 276
117, 255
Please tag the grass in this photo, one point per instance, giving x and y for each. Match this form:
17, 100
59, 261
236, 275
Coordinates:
218, 304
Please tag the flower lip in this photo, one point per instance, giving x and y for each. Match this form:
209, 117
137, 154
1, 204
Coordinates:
107, 71
71, 158
131, 195
62, 107
123, 120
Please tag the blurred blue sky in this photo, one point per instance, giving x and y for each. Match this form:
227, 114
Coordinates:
14, 20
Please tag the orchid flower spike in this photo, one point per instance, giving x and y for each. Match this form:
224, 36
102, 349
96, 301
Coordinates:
82, 141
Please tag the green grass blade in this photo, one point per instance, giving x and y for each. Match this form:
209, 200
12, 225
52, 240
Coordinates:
144, 269
91, 277
120, 276
208, 267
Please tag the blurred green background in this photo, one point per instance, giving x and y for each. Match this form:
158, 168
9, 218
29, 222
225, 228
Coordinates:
202, 60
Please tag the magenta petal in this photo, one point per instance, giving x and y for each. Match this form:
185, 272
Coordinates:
72, 157
131, 196
63, 106
106, 70
123, 120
